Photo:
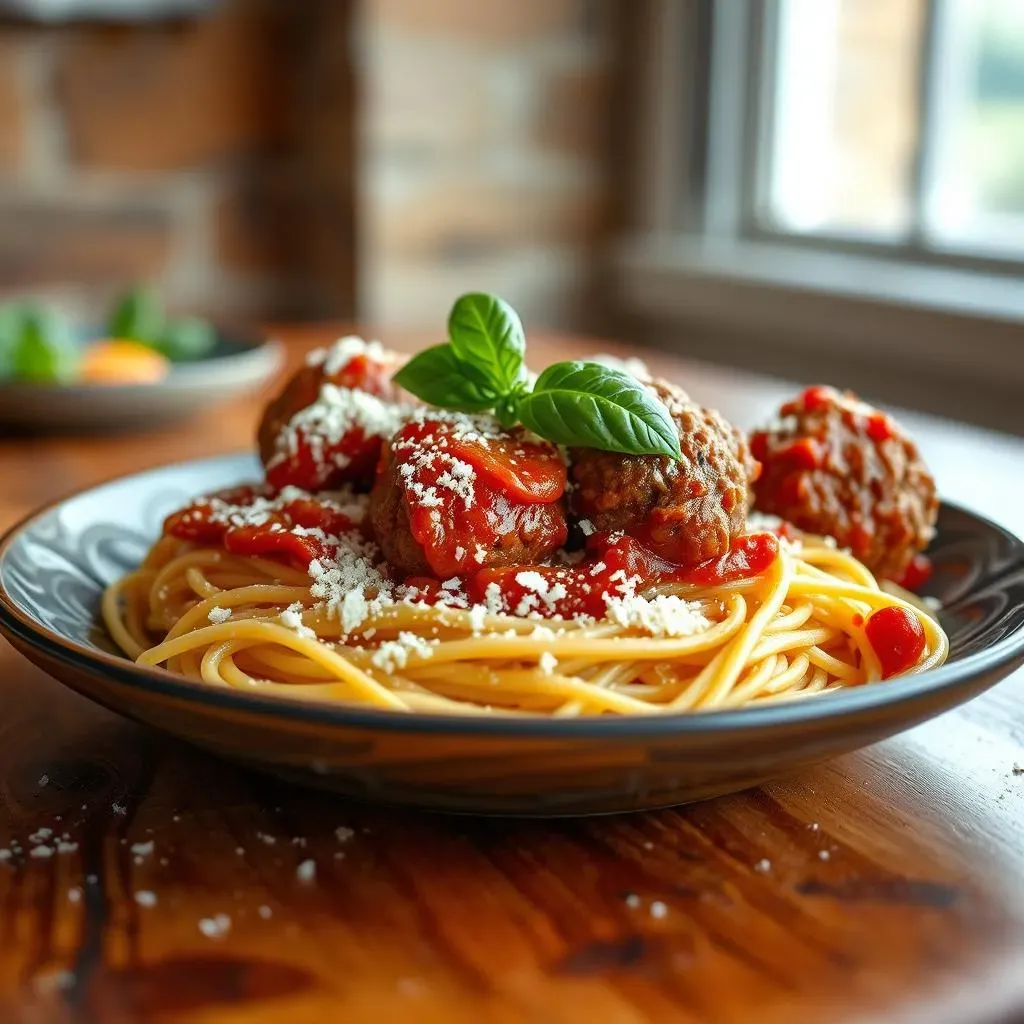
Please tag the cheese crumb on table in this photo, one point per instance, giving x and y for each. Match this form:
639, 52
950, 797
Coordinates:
215, 927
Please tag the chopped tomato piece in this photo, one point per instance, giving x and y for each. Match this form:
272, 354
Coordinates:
897, 637
917, 573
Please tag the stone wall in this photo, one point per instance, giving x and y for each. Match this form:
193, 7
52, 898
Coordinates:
219, 157
212, 155
483, 154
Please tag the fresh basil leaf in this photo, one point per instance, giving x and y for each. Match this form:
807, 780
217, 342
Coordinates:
438, 377
506, 411
592, 406
487, 337
139, 316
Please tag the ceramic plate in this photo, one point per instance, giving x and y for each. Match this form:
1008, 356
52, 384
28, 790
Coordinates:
54, 565
236, 365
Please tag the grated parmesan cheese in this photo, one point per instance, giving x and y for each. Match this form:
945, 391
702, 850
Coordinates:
477, 614
394, 654
215, 927
493, 599
219, 615
664, 615
337, 411
337, 356
291, 618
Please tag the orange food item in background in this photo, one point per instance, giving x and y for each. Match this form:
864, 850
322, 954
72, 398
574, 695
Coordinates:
122, 362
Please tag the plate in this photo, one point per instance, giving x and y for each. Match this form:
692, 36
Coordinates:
54, 565
236, 365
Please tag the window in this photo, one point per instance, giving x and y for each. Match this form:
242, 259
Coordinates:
896, 121
826, 182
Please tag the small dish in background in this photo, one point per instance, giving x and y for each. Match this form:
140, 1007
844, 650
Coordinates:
237, 365
140, 368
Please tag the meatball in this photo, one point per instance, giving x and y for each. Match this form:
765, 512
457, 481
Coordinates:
455, 494
835, 466
328, 424
687, 511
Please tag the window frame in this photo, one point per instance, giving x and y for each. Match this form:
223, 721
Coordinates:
761, 53
696, 252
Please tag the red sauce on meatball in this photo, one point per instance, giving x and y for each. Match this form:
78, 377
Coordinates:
327, 426
833, 465
453, 496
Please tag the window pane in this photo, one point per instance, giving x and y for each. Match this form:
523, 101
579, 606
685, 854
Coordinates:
845, 116
975, 197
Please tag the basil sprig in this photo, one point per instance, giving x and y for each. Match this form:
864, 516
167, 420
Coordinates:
573, 403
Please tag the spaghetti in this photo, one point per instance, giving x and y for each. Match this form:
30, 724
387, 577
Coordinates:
797, 629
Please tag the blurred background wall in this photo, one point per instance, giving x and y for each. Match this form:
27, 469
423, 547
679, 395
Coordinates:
247, 159
484, 145
212, 155
817, 187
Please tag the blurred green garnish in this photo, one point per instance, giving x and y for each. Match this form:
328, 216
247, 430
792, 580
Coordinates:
186, 339
44, 348
139, 316
10, 321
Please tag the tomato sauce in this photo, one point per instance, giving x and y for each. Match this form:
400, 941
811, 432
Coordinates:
272, 533
610, 562
465, 494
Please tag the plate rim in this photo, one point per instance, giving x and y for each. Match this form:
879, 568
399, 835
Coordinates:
160, 681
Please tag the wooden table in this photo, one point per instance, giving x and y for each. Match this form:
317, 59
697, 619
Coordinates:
884, 885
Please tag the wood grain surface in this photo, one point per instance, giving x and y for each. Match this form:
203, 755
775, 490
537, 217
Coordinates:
885, 885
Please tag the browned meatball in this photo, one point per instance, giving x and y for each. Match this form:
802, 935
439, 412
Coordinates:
457, 494
299, 392
687, 511
834, 465
389, 522
316, 438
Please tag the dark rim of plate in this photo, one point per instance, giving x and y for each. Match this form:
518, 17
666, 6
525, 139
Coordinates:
160, 681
